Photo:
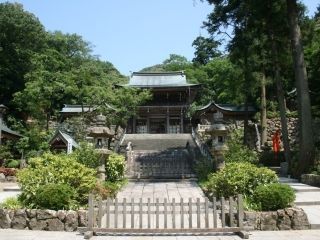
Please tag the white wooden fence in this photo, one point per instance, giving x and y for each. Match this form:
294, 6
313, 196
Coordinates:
165, 216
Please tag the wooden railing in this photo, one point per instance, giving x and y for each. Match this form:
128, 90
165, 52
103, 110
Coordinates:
165, 215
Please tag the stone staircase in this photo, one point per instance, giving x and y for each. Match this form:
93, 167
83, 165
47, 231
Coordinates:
307, 198
159, 156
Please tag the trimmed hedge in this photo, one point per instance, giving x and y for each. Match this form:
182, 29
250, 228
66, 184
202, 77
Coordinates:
239, 178
55, 169
273, 196
54, 196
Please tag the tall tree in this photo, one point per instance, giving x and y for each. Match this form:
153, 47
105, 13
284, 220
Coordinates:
306, 143
205, 50
21, 36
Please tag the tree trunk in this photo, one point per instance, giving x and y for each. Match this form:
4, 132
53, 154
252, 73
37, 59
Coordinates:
246, 90
306, 139
281, 101
263, 110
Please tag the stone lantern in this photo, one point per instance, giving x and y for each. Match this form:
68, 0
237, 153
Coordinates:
103, 156
218, 134
100, 133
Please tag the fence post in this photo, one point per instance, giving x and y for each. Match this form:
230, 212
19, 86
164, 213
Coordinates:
240, 211
214, 206
91, 213
124, 217
89, 233
182, 213
223, 214
190, 212
231, 211
100, 213
206, 213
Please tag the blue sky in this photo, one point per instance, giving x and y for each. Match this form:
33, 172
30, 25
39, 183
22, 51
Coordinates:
131, 34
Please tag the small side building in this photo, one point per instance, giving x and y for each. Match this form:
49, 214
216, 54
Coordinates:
5, 132
62, 142
226, 112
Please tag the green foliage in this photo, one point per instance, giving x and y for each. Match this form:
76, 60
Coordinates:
239, 178
12, 163
205, 50
5, 154
11, 203
54, 196
21, 36
272, 197
114, 187
115, 167
87, 155
203, 168
237, 151
56, 169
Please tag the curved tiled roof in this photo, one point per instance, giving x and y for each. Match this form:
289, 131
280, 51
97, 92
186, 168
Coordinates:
4, 128
158, 80
227, 107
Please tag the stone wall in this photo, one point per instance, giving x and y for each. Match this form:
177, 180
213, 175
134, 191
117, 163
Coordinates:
274, 124
36, 219
311, 179
284, 219
50, 220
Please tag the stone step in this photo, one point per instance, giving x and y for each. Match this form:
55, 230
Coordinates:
307, 198
287, 180
11, 188
300, 187
313, 213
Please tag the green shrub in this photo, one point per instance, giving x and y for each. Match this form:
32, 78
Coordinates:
11, 203
239, 178
237, 151
58, 169
273, 196
12, 163
5, 153
115, 167
54, 196
87, 155
109, 189
203, 168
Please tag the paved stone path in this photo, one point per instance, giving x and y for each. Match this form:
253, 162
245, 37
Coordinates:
8, 190
9, 234
307, 198
153, 190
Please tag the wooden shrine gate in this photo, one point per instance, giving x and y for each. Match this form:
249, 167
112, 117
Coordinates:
114, 217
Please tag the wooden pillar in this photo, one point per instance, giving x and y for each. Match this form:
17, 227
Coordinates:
168, 120
181, 121
134, 122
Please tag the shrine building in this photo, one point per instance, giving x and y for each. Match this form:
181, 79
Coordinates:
166, 112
